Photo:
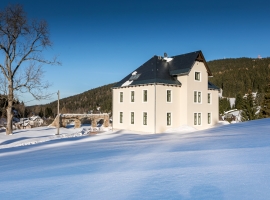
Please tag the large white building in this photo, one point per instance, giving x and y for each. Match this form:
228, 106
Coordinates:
166, 92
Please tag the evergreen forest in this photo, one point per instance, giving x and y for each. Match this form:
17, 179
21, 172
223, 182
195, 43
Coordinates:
238, 76
86, 102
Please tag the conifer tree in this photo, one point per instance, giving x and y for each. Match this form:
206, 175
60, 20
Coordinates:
224, 105
238, 101
48, 112
249, 108
265, 107
41, 113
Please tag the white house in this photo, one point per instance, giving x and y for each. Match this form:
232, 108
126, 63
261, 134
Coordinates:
166, 92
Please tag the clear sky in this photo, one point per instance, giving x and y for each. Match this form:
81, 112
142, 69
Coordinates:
100, 42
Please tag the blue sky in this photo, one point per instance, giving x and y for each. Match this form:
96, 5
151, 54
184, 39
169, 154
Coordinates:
100, 42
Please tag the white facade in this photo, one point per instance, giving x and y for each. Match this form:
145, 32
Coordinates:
167, 106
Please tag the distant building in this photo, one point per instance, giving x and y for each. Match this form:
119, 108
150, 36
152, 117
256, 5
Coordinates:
166, 92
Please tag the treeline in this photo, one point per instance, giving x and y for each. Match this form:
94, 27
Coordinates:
82, 103
241, 76
238, 76
18, 107
252, 105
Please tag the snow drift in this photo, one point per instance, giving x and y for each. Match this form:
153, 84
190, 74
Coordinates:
226, 162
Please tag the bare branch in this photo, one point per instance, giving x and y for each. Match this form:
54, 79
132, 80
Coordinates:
22, 42
3, 71
3, 48
31, 81
3, 85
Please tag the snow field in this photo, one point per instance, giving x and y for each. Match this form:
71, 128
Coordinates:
226, 162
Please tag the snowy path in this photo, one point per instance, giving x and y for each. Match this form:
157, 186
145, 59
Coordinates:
227, 162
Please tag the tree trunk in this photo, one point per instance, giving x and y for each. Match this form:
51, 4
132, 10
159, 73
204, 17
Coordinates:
9, 109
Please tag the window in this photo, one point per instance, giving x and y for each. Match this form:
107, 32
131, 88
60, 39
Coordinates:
145, 118
132, 96
121, 117
134, 77
145, 96
209, 118
132, 118
169, 96
197, 118
121, 96
197, 97
197, 76
209, 98
168, 119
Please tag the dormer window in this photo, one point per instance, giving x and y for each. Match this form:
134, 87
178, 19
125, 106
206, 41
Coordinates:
134, 76
197, 76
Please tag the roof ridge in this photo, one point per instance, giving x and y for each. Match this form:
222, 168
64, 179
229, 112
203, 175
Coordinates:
198, 51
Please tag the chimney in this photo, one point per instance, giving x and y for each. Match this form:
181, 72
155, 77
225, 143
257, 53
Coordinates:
165, 55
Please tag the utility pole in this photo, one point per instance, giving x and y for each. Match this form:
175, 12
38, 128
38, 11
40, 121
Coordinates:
58, 125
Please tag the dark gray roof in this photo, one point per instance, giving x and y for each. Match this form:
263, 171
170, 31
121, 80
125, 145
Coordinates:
158, 70
211, 86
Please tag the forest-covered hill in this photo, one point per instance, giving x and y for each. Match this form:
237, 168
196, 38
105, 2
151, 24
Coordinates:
80, 103
237, 76
234, 76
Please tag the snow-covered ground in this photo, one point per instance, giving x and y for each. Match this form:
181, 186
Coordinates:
226, 162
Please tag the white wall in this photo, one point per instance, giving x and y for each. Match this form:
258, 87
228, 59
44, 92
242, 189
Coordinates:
164, 107
189, 85
156, 112
138, 107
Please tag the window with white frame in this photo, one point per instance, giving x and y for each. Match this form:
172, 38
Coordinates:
197, 118
169, 118
197, 76
121, 117
121, 96
197, 97
144, 95
145, 118
132, 96
209, 118
132, 117
169, 96
209, 98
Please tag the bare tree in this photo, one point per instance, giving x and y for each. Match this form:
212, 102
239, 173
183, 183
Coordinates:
22, 43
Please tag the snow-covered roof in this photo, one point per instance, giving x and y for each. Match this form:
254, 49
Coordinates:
33, 118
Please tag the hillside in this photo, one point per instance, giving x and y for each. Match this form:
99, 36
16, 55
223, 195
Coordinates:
240, 75
80, 103
232, 75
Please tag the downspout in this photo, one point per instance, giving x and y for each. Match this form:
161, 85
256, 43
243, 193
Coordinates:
112, 110
155, 111
155, 105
